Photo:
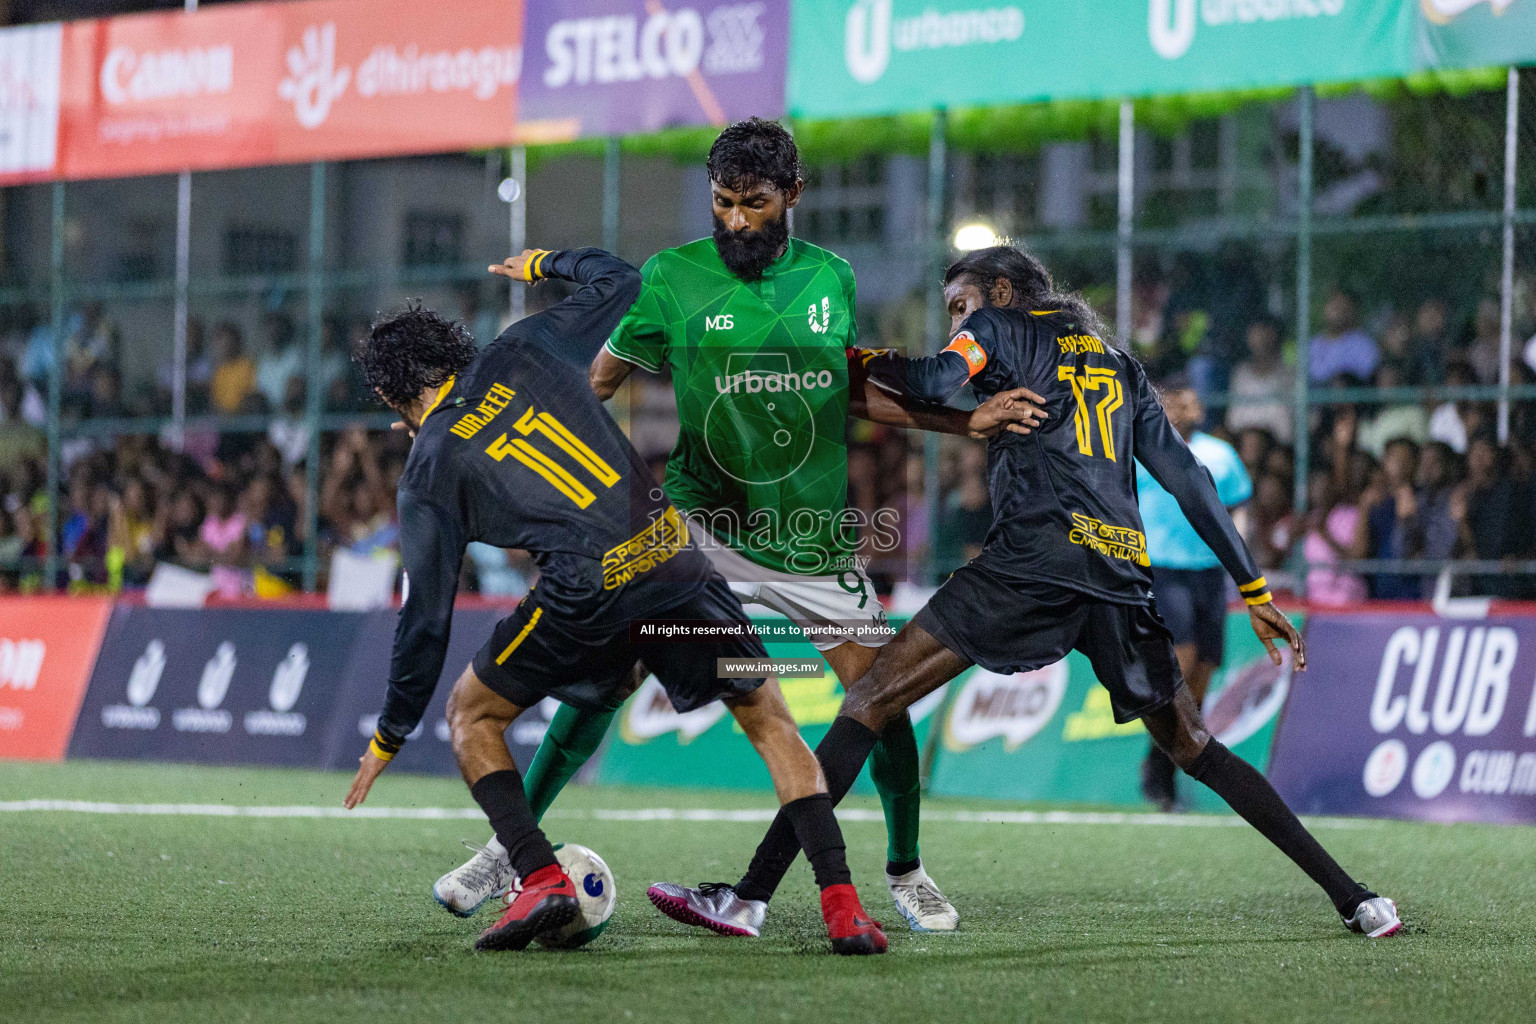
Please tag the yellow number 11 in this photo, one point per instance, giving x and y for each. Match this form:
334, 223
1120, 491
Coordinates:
1094, 379
549, 469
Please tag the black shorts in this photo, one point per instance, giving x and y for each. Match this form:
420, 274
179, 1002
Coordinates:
1015, 626
532, 655
1193, 604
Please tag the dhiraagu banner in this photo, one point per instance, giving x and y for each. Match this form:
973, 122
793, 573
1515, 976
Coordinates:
853, 57
1051, 735
652, 745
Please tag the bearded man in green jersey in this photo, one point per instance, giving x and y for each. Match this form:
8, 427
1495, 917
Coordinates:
757, 329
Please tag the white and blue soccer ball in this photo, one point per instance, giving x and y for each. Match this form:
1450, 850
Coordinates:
595, 893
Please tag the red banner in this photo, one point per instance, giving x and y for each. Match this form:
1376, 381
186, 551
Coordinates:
242, 85
47, 649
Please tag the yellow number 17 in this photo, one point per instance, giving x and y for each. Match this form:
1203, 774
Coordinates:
543, 423
1094, 379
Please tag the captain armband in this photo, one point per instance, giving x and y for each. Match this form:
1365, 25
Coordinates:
1257, 592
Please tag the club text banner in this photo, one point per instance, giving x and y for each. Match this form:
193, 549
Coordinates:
862, 57
614, 67
1413, 716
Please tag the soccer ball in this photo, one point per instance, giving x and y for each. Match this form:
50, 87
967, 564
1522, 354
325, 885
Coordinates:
594, 892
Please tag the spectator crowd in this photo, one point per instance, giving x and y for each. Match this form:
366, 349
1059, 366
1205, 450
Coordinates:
1401, 477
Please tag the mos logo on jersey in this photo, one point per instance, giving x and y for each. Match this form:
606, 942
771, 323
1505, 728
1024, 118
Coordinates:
723, 322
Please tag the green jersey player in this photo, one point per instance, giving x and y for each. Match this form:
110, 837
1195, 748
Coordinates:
757, 331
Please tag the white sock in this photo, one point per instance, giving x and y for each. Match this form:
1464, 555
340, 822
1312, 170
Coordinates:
496, 849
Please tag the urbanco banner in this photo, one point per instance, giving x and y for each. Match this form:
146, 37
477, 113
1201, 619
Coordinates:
863, 57
615, 67
247, 84
47, 648
1413, 716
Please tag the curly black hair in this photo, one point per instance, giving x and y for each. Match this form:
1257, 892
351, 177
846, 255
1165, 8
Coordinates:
412, 349
752, 151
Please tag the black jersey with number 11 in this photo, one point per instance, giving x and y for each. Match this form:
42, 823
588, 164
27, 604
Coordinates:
516, 451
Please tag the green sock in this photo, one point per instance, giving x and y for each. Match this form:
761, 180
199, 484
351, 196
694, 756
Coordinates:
895, 770
573, 737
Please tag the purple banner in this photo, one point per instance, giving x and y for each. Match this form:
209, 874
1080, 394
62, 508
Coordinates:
1412, 716
612, 67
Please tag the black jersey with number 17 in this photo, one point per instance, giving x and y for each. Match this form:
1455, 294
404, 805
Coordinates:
516, 451
1064, 496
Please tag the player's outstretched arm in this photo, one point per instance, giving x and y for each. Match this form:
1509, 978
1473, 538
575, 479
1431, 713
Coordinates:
576, 327
881, 401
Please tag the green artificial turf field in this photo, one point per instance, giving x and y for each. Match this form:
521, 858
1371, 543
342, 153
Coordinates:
197, 918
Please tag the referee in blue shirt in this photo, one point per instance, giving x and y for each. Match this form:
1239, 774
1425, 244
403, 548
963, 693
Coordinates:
1188, 582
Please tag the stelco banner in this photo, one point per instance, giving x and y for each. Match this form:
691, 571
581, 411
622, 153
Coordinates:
611, 67
1051, 734
883, 56
1413, 716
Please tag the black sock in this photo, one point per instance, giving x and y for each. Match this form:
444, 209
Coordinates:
500, 795
842, 752
1250, 795
821, 839
901, 867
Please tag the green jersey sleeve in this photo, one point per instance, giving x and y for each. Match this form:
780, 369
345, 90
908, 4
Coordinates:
845, 275
641, 337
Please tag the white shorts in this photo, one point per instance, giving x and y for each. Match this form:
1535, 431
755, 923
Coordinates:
833, 610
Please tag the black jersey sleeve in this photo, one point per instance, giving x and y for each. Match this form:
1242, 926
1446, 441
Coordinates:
934, 378
576, 327
1163, 452
432, 546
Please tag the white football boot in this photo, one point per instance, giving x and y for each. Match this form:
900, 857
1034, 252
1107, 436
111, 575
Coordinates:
1376, 918
488, 873
921, 903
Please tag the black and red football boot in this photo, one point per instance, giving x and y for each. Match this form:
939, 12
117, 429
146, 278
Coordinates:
546, 900
852, 931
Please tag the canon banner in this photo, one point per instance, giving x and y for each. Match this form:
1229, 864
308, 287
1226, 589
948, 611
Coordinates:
47, 647
1413, 716
614, 67
245, 84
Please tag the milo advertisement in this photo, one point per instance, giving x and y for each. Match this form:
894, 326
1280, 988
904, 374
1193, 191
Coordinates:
1051, 734
651, 744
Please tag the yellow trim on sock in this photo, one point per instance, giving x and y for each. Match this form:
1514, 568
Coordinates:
1258, 584
521, 636
1261, 599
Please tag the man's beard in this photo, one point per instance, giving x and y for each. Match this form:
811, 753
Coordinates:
748, 253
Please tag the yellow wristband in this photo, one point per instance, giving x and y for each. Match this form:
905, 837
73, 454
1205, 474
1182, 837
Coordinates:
379, 752
531, 268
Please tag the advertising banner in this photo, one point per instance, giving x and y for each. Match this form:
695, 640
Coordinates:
613, 67
29, 101
47, 648
245, 84
881, 56
1413, 716
1473, 33
653, 745
427, 750
1051, 734
230, 686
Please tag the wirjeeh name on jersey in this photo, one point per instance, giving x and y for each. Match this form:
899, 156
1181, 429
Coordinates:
754, 381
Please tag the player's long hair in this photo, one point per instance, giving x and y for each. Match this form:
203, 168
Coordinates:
1032, 283
412, 349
